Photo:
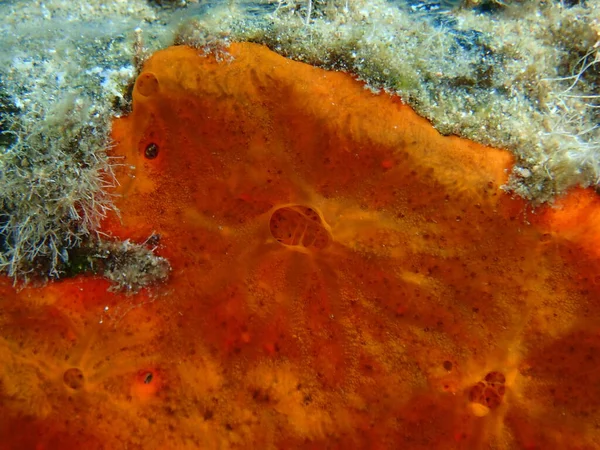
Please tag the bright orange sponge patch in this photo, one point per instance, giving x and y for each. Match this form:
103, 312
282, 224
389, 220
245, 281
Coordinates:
343, 277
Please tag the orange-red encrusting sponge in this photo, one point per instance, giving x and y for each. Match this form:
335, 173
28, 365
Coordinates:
343, 277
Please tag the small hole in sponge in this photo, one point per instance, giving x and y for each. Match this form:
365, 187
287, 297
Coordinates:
299, 226
448, 365
151, 151
147, 84
490, 391
495, 378
73, 378
148, 378
146, 383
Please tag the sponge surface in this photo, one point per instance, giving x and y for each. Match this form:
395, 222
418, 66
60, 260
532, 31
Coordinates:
343, 277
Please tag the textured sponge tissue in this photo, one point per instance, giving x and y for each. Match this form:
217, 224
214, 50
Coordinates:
343, 277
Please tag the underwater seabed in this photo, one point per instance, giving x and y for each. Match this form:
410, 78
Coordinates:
343, 276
